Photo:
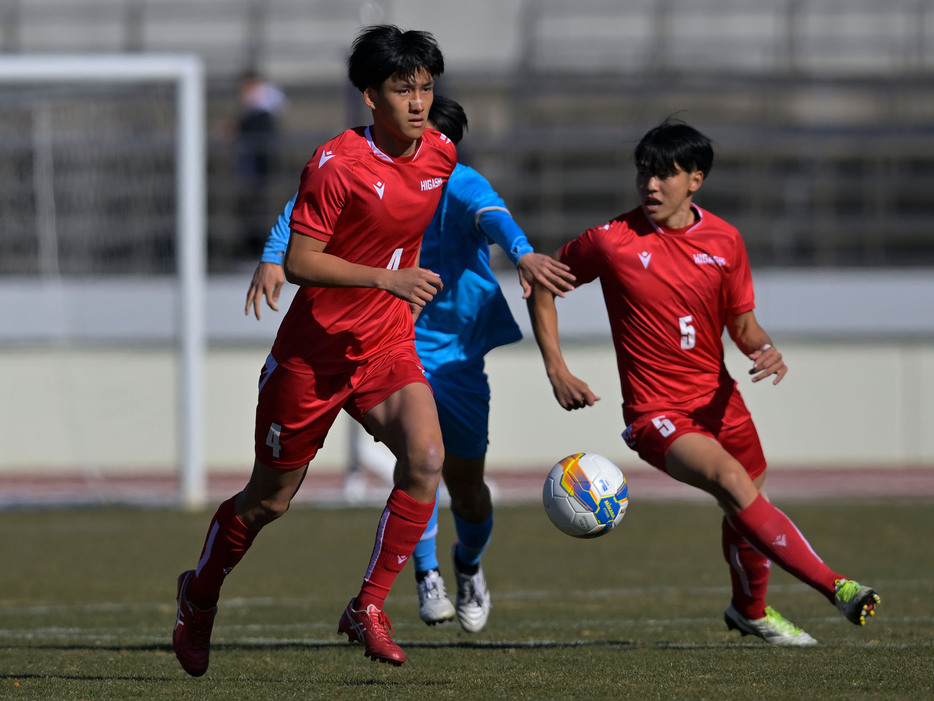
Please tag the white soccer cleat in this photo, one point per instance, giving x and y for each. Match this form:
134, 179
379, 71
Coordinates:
774, 629
434, 606
473, 598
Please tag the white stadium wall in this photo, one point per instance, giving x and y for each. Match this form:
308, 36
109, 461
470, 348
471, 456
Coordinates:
847, 404
860, 391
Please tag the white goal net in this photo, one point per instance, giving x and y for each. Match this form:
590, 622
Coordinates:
102, 263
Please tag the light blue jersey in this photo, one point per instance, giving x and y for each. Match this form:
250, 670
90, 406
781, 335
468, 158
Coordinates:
470, 316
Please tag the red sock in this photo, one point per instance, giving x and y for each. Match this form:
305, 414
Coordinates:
774, 535
749, 573
400, 528
227, 541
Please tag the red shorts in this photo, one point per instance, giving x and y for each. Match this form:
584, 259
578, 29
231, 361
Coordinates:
720, 416
296, 410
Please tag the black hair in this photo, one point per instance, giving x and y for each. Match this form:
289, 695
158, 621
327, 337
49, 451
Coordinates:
383, 50
448, 117
250, 74
672, 145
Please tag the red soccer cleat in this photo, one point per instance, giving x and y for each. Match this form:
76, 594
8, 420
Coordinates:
372, 628
192, 635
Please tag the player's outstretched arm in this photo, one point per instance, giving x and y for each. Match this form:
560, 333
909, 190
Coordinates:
570, 391
495, 222
267, 282
269, 277
752, 340
553, 275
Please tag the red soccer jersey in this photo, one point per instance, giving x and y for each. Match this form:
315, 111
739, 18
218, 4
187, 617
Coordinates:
372, 210
668, 294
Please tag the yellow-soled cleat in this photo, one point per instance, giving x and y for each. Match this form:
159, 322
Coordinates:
855, 601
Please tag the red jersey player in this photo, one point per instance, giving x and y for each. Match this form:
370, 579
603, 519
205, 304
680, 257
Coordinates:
673, 277
347, 341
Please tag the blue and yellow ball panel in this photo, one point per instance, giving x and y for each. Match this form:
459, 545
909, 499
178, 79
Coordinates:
575, 482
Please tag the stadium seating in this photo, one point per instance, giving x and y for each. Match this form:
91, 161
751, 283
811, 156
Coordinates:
820, 110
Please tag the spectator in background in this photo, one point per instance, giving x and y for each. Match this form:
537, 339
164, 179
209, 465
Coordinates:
261, 104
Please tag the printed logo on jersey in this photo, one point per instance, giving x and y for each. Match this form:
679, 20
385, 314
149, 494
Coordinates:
380, 188
268, 367
707, 259
325, 157
628, 437
645, 257
432, 183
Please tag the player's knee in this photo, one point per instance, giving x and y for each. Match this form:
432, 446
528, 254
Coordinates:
733, 482
426, 459
431, 456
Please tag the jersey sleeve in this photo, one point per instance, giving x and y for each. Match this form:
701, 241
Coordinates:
321, 197
278, 239
740, 295
450, 151
584, 255
499, 226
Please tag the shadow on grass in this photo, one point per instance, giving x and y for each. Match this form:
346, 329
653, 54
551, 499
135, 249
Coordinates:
81, 677
425, 645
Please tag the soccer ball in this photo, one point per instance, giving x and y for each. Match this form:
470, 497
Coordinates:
585, 495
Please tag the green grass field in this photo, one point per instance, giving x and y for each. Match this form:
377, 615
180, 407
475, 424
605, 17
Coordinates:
87, 607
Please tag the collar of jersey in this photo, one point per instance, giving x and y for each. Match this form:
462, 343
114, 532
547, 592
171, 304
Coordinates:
380, 154
660, 229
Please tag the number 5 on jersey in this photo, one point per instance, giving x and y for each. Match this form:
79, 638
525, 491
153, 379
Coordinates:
688, 335
664, 425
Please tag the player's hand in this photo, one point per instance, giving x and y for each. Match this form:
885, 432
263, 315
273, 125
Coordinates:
268, 279
572, 392
551, 274
417, 286
767, 361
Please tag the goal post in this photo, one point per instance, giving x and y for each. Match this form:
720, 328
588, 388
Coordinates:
186, 72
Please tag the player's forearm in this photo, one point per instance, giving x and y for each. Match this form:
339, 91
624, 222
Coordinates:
747, 334
544, 317
753, 343
319, 269
278, 240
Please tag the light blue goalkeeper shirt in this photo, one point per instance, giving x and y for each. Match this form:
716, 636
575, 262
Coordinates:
470, 316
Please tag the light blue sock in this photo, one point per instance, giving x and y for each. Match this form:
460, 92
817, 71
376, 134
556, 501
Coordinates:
472, 539
426, 551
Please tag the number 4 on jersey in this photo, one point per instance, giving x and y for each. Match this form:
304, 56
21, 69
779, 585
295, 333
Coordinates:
272, 439
395, 260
